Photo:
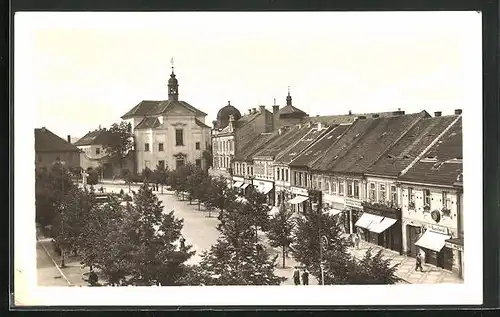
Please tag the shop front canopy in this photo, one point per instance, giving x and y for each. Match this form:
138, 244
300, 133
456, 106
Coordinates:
367, 220
385, 224
244, 186
333, 211
297, 200
237, 184
432, 240
264, 189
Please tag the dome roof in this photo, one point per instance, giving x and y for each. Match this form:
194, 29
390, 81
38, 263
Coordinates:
224, 113
172, 80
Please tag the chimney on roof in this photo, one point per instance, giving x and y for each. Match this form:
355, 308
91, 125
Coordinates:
361, 117
375, 115
254, 110
318, 125
276, 116
99, 127
350, 112
458, 111
399, 112
437, 114
262, 109
214, 124
69, 138
250, 111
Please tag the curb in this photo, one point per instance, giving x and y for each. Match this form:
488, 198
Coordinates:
55, 264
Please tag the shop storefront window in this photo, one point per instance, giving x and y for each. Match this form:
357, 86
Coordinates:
372, 192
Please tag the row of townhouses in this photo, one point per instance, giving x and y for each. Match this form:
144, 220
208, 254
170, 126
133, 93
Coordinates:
393, 178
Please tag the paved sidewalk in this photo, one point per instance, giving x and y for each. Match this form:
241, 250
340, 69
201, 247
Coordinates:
406, 269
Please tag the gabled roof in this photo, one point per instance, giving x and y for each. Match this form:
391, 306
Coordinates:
96, 137
295, 149
46, 141
287, 138
148, 123
247, 152
152, 107
201, 124
442, 164
416, 140
289, 109
317, 150
350, 118
362, 149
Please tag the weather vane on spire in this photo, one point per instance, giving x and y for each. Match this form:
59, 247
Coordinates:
172, 63
289, 90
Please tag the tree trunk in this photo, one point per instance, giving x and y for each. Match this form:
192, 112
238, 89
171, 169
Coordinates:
162, 188
284, 252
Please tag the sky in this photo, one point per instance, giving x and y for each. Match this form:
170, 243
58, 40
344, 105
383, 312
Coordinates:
87, 69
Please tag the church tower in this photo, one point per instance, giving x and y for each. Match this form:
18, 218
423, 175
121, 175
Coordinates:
288, 98
173, 85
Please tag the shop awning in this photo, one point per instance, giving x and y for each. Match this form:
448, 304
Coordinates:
244, 186
385, 224
237, 184
297, 200
432, 240
366, 220
333, 211
265, 189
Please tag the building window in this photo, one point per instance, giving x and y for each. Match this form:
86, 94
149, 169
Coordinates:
179, 162
197, 145
319, 186
146, 147
371, 194
161, 164
446, 201
394, 195
341, 188
427, 197
179, 137
381, 195
97, 151
349, 188
198, 163
147, 164
278, 174
356, 189
160, 147
334, 187
286, 175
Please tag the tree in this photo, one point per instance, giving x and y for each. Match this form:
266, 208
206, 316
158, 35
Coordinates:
220, 195
236, 258
374, 269
208, 157
119, 142
257, 208
51, 185
306, 246
126, 175
161, 175
147, 175
280, 230
193, 182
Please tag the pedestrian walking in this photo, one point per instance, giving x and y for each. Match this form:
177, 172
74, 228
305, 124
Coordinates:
356, 240
418, 263
296, 276
305, 277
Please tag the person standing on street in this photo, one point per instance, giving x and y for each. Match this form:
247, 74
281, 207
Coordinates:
356, 240
418, 263
305, 277
296, 276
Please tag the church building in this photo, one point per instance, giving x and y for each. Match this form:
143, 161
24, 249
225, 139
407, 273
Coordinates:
168, 133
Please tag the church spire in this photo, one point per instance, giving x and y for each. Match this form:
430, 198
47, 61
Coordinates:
173, 85
288, 98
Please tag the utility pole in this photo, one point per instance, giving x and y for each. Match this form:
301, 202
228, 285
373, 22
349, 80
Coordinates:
63, 262
316, 195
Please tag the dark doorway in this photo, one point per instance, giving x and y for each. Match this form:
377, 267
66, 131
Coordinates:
412, 237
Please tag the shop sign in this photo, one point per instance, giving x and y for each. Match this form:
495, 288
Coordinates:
299, 191
238, 179
351, 202
438, 229
454, 246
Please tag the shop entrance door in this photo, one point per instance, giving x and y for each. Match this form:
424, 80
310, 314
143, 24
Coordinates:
411, 238
447, 259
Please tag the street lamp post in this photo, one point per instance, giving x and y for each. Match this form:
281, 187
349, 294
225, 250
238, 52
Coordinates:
63, 262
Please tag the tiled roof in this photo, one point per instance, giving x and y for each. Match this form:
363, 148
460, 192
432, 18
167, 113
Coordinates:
317, 150
148, 123
295, 149
442, 164
246, 153
398, 157
283, 141
346, 118
46, 141
289, 109
201, 124
94, 137
363, 149
151, 107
